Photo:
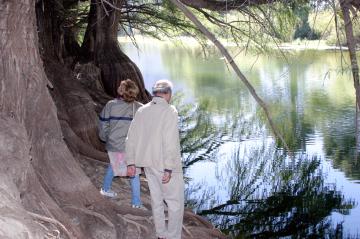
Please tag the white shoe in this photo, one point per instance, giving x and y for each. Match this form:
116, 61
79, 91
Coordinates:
109, 193
139, 207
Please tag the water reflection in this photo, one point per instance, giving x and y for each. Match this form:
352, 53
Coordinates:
201, 133
296, 202
269, 195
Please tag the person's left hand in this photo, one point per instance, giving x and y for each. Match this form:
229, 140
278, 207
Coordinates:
166, 177
131, 170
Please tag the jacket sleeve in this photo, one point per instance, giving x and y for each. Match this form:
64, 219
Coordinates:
130, 143
171, 141
137, 105
104, 123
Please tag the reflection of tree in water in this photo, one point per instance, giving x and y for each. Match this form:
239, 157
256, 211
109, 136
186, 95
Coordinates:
269, 195
272, 198
339, 145
200, 135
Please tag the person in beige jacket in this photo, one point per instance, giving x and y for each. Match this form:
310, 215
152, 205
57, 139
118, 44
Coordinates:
153, 143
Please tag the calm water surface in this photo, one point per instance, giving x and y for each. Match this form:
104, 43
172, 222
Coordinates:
238, 175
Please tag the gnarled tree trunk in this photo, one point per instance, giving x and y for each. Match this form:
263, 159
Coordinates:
28, 126
41, 179
101, 46
74, 104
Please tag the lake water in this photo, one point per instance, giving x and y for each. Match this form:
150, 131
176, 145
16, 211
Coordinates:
238, 175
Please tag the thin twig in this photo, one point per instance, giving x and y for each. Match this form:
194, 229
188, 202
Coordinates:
104, 7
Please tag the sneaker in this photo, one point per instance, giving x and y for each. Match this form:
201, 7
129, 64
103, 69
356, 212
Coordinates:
108, 193
139, 207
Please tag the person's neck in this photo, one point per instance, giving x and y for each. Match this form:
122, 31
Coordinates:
163, 96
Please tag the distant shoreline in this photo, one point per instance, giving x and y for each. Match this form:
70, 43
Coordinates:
298, 45
310, 45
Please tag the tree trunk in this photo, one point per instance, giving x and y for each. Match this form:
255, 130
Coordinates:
74, 104
351, 43
40, 178
28, 126
101, 46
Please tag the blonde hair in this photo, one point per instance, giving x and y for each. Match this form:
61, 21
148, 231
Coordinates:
128, 90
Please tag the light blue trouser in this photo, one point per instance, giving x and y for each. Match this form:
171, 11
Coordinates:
134, 182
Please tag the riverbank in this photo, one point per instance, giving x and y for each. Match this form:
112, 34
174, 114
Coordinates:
309, 45
297, 45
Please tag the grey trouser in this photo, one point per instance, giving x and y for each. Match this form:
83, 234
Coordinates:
173, 194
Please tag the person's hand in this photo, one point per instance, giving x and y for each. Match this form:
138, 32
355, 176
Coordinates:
131, 170
166, 177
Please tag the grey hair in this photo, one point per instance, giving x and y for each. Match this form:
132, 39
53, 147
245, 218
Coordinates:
162, 86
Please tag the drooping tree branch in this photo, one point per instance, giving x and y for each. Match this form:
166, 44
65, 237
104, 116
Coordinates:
231, 61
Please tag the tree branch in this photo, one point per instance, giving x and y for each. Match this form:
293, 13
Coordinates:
228, 57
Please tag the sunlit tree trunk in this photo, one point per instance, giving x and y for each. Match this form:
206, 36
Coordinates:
40, 178
351, 43
33, 153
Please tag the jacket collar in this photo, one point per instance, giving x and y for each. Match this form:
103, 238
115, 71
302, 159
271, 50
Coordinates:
158, 100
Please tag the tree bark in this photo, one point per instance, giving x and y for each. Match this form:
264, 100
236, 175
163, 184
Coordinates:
74, 104
101, 46
38, 173
25, 102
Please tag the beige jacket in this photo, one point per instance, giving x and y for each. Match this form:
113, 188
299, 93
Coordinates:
153, 137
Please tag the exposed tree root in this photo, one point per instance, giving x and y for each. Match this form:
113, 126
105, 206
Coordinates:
92, 213
138, 218
92, 160
83, 148
50, 220
50, 234
187, 231
138, 226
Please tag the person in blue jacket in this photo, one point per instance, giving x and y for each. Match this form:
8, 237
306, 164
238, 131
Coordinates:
114, 122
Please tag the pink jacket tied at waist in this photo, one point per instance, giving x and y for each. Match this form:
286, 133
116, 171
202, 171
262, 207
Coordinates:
118, 164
